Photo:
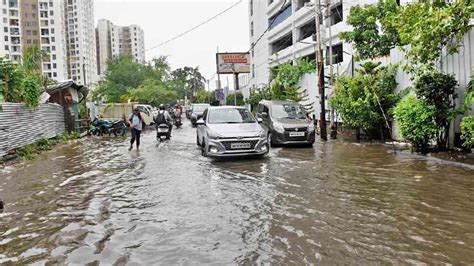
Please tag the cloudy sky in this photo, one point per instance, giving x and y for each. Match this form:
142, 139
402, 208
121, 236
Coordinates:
163, 19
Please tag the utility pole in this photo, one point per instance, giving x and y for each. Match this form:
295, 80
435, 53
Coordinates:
331, 61
320, 71
218, 75
208, 92
236, 89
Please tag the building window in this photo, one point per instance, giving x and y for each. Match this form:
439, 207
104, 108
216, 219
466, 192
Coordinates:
280, 17
336, 14
337, 54
308, 29
282, 43
251, 28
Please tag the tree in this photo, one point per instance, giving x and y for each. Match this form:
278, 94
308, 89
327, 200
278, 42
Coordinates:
23, 82
286, 86
257, 95
416, 123
231, 98
365, 100
122, 75
438, 90
426, 28
188, 81
204, 96
373, 34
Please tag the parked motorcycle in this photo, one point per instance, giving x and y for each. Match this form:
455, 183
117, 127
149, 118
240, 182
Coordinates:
101, 127
162, 132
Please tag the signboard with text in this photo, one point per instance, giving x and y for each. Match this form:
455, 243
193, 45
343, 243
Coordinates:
233, 63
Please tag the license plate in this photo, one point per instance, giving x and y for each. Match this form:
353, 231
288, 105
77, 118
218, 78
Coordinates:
297, 134
240, 146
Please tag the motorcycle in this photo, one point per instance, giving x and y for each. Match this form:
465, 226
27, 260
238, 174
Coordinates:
101, 127
177, 122
162, 132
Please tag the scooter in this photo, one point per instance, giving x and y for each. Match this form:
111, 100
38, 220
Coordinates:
162, 132
177, 122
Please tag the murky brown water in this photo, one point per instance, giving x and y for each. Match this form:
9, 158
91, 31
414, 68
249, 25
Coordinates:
338, 203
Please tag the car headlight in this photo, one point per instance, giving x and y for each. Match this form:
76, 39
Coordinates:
278, 128
213, 135
311, 127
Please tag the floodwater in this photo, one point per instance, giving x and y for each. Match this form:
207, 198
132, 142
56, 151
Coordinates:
338, 203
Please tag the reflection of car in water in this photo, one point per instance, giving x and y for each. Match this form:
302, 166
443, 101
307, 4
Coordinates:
197, 111
286, 122
230, 131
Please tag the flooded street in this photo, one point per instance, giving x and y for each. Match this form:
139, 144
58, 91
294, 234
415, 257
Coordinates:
338, 203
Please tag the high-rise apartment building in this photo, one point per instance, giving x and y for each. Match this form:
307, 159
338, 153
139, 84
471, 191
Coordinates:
62, 28
113, 41
82, 55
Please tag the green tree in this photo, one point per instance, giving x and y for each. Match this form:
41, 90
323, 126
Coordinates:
373, 34
153, 92
257, 95
438, 89
204, 96
188, 81
416, 122
365, 100
24, 80
286, 86
231, 99
426, 28
122, 75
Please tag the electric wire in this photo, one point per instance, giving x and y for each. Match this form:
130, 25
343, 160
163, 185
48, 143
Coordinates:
195, 27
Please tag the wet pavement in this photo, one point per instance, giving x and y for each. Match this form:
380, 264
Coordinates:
338, 203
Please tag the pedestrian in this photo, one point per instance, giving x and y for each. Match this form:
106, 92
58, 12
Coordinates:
136, 125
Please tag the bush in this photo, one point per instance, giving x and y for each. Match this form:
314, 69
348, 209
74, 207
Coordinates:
416, 122
438, 89
467, 131
359, 99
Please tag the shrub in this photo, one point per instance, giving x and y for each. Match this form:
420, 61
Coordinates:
467, 131
438, 89
416, 122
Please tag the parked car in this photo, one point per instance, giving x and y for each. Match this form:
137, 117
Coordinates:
286, 122
230, 131
198, 111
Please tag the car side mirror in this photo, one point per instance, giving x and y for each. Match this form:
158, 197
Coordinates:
259, 120
264, 115
200, 122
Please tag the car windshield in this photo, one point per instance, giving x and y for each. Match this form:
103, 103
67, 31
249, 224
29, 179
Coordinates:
200, 108
230, 116
291, 111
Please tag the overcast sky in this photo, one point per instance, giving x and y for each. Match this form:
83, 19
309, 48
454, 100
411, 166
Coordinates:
163, 19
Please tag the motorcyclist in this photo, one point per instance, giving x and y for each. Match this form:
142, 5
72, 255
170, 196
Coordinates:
163, 117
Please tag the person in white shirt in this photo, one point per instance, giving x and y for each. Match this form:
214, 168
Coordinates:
136, 125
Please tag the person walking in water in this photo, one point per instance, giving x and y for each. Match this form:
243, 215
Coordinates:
136, 125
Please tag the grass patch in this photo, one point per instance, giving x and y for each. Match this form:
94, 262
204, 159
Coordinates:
31, 151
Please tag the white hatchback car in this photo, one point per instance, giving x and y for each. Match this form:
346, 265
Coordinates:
231, 131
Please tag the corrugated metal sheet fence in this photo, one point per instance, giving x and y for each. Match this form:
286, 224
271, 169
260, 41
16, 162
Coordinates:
20, 126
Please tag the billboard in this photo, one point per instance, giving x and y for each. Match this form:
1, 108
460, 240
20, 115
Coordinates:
233, 63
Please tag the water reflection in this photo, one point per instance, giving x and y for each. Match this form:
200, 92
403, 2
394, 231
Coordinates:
339, 203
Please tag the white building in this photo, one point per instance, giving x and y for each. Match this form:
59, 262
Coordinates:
62, 28
82, 55
113, 41
281, 31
